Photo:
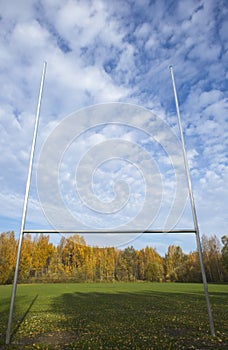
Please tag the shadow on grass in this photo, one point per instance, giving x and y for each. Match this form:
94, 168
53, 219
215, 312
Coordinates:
17, 321
123, 320
15, 330
148, 320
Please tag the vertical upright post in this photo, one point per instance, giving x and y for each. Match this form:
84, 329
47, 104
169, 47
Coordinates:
14, 287
193, 208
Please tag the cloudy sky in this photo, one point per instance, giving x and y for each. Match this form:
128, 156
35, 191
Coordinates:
89, 160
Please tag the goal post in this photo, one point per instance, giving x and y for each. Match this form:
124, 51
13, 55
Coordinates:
108, 231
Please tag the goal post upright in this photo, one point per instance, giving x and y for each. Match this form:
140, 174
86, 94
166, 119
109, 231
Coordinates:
23, 220
193, 207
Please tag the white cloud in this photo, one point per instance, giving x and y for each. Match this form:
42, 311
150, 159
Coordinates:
208, 97
101, 52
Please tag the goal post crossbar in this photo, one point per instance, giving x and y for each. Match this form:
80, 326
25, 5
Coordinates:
184, 231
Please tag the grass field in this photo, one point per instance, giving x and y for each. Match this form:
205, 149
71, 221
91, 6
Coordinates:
114, 316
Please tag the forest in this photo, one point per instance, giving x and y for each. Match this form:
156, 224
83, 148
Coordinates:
73, 260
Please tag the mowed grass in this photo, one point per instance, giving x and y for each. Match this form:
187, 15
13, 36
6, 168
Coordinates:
114, 316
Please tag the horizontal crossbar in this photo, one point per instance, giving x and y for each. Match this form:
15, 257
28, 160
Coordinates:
110, 231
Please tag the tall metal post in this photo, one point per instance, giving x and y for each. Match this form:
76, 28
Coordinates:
193, 208
14, 287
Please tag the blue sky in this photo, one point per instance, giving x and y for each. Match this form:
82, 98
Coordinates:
99, 52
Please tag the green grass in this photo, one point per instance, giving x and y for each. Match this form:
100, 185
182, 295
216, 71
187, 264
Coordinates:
114, 316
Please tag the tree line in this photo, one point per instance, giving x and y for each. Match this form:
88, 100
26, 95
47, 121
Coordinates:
73, 260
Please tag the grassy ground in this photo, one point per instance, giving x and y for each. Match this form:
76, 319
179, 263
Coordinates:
114, 316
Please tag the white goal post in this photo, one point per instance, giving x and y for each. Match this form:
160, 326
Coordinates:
186, 231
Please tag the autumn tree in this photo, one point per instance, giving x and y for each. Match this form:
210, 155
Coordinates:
174, 263
225, 257
212, 258
42, 255
106, 263
127, 265
73, 255
8, 247
190, 270
150, 265
26, 258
